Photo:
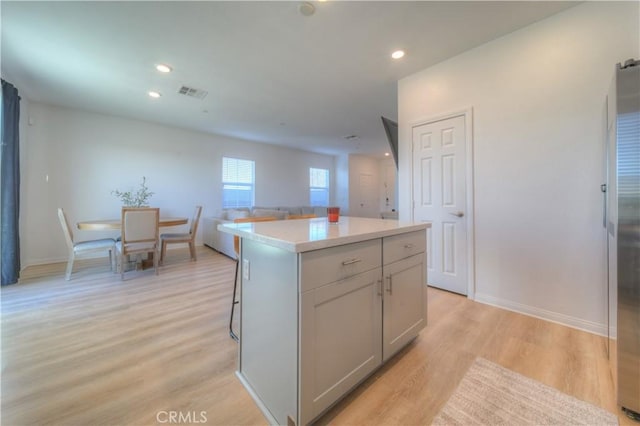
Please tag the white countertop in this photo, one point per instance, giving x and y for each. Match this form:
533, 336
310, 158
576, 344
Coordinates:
300, 235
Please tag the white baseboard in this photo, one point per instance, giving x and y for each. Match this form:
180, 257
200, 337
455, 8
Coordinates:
48, 260
569, 321
45, 261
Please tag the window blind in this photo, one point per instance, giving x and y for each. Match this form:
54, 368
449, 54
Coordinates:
319, 187
238, 179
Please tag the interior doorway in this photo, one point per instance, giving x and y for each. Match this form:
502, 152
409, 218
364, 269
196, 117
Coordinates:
442, 196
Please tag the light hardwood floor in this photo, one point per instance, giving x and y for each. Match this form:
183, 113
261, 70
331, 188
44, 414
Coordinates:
96, 350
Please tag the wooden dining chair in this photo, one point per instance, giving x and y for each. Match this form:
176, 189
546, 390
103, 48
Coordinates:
236, 249
84, 247
302, 216
189, 237
140, 229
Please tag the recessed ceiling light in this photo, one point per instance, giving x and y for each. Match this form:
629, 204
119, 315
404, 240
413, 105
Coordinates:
164, 68
306, 8
397, 54
386, 154
154, 94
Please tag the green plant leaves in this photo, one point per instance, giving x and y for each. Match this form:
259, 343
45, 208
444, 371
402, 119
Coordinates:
138, 198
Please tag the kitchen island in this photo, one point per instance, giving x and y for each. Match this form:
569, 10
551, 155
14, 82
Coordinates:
323, 306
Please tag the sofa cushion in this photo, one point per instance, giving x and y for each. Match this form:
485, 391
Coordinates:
254, 208
320, 211
280, 215
306, 210
233, 214
291, 210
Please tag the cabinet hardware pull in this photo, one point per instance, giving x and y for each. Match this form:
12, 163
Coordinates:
379, 287
390, 289
408, 246
351, 262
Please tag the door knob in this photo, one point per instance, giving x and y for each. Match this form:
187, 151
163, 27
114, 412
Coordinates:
457, 214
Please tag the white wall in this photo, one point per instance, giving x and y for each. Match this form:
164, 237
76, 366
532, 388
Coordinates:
537, 97
85, 156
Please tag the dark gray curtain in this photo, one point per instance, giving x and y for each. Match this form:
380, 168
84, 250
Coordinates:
10, 183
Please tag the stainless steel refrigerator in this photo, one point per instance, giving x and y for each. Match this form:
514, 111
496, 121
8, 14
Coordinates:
627, 168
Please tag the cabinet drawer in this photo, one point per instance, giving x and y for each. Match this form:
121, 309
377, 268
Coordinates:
402, 246
320, 267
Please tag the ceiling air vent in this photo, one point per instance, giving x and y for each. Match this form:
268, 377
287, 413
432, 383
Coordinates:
194, 93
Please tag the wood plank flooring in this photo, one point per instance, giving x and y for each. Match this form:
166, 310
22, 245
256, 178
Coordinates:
97, 350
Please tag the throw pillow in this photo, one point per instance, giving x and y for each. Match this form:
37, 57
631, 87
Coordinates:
320, 211
278, 214
292, 210
233, 214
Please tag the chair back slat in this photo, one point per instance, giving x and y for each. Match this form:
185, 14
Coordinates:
68, 234
140, 224
302, 216
194, 221
140, 233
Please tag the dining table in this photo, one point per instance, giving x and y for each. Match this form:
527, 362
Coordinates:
116, 224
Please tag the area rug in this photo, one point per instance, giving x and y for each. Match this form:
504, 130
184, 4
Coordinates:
492, 395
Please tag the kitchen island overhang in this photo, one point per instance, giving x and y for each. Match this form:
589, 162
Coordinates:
323, 306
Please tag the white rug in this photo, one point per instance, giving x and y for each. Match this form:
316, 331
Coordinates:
492, 395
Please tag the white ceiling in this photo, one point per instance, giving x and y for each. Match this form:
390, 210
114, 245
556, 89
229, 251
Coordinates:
272, 75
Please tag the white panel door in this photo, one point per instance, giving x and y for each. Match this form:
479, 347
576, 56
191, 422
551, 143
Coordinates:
389, 187
439, 198
367, 198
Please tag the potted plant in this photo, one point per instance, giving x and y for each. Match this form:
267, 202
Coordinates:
139, 198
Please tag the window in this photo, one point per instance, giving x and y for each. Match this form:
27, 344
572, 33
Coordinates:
237, 182
319, 187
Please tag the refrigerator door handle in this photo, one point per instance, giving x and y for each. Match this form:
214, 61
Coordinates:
603, 188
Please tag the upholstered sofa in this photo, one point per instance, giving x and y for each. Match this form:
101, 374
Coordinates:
223, 242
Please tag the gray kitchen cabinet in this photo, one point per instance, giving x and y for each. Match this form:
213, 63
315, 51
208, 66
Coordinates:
404, 307
341, 331
404, 272
318, 317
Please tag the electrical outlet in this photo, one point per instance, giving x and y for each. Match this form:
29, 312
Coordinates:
245, 269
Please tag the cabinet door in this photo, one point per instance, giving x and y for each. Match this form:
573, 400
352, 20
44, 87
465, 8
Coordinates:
341, 331
403, 311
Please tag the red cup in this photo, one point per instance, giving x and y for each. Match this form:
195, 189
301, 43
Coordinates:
333, 214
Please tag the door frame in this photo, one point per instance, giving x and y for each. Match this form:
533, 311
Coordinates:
467, 113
